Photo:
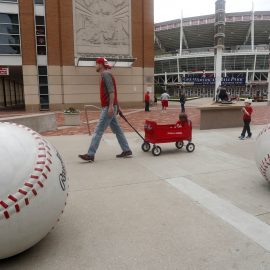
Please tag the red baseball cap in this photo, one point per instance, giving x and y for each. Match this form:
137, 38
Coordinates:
104, 62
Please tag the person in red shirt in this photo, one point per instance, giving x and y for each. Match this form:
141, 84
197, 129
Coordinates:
110, 107
147, 101
247, 112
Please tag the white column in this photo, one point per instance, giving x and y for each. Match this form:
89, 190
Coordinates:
166, 78
252, 27
166, 81
178, 69
218, 65
247, 77
254, 66
181, 34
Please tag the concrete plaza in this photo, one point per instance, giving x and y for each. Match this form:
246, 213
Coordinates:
187, 211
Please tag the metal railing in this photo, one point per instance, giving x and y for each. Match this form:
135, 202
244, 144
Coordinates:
86, 107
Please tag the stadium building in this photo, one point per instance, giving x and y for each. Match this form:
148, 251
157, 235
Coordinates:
185, 54
48, 50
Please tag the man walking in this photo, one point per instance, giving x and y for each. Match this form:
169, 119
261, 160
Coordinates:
109, 104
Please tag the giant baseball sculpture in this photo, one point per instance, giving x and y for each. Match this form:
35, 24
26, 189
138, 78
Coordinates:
33, 188
263, 152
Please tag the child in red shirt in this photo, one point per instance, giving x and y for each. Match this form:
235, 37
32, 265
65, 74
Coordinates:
247, 111
147, 101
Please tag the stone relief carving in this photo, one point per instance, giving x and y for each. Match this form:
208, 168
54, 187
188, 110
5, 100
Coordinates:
102, 27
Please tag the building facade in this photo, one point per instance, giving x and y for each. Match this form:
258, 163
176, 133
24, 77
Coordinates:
244, 58
50, 46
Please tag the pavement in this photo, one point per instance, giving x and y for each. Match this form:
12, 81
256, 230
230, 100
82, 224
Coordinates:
206, 210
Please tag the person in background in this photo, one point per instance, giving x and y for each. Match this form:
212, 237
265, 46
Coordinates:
110, 107
155, 100
164, 101
247, 112
182, 102
147, 101
223, 96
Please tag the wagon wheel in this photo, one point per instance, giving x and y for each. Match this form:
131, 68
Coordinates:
179, 145
146, 147
190, 147
156, 151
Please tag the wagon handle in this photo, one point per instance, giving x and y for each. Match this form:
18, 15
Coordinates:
122, 115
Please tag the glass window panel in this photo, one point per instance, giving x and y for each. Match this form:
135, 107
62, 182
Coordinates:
9, 49
40, 2
9, 18
41, 50
9, 29
40, 30
43, 90
40, 20
12, 1
42, 70
43, 80
9, 39
44, 99
41, 40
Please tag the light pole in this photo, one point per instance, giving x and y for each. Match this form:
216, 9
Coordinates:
219, 42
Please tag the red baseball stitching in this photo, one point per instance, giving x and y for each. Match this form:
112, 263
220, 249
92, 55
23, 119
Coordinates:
264, 166
267, 128
31, 186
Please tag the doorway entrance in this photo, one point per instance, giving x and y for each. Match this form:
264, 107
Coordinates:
11, 89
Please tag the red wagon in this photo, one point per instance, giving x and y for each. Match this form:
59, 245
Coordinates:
178, 133
154, 134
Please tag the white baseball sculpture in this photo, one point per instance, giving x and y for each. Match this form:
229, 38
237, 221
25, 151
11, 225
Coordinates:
33, 188
263, 152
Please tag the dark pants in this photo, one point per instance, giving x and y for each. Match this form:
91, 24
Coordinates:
147, 104
246, 128
183, 107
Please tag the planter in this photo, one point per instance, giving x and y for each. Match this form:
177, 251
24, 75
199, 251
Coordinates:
72, 119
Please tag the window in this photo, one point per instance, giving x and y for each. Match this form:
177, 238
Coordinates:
9, 39
9, 18
43, 80
9, 29
9, 34
8, 49
43, 87
40, 20
41, 35
41, 50
39, 2
42, 70
11, 1
40, 30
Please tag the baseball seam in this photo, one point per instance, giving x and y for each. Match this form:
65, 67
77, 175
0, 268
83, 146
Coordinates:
22, 198
264, 166
263, 131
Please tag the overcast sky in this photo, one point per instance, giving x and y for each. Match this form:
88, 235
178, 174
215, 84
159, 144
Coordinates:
166, 10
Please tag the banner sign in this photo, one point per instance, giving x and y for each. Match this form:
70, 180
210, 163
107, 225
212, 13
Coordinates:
212, 80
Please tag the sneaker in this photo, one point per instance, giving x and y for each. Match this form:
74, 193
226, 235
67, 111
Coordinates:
125, 154
249, 137
241, 138
86, 157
